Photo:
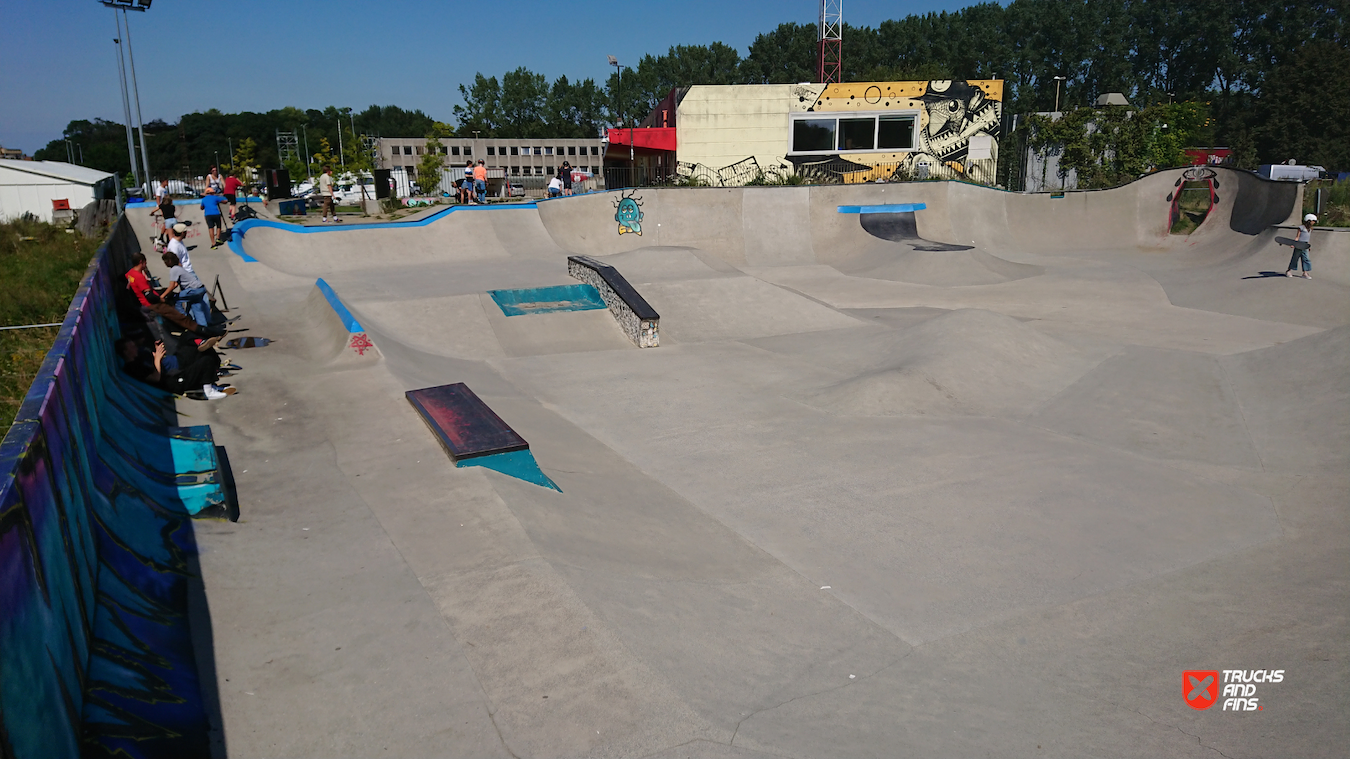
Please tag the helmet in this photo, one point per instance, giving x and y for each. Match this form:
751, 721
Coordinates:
1310, 217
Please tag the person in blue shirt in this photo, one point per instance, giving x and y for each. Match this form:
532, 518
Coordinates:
211, 209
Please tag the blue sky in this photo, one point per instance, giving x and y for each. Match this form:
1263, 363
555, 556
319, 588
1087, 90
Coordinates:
58, 62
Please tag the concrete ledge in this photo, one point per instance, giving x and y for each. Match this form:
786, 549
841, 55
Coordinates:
637, 318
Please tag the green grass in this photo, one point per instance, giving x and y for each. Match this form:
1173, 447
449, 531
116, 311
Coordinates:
1335, 202
40, 268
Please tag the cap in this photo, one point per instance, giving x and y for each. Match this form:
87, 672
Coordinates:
1310, 217
180, 228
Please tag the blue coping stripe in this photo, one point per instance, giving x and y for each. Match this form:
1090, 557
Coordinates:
890, 208
348, 320
240, 229
187, 202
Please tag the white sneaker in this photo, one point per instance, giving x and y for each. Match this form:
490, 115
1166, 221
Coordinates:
1306, 275
211, 393
325, 220
1289, 273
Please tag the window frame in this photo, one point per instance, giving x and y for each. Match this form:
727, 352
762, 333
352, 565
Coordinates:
836, 116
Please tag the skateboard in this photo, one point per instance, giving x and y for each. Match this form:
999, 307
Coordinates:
1300, 244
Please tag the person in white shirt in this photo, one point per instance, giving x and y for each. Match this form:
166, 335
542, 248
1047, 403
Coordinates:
555, 187
1301, 254
326, 192
215, 181
176, 246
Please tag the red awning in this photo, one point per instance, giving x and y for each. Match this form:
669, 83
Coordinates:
654, 138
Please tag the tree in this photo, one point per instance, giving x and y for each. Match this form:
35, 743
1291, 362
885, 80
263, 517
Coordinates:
243, 161
1304, 109
481, 102
433, 158
786, 55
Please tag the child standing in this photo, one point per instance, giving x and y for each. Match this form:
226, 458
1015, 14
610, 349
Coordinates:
1301, 254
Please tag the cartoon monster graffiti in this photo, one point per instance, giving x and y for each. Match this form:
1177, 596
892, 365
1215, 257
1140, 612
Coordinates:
628, 212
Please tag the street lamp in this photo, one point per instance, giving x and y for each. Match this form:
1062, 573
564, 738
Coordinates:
1058, 79
124, 6
632, 161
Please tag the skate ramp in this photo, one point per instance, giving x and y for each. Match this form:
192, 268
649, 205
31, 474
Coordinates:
970, 362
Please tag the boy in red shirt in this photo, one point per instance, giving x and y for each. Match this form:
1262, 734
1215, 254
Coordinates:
138, 280
232, 185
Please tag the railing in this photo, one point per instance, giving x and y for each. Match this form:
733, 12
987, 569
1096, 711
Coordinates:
749, 173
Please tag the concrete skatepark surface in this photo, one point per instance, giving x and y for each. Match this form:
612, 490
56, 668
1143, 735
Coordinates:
864, 500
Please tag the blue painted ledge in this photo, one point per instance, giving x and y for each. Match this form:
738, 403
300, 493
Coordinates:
242, 228
890, 208
519, 464
353, 326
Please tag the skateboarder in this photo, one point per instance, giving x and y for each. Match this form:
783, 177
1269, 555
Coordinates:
326, 194
1301, 252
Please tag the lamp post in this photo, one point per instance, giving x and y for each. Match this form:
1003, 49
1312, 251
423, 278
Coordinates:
308, 158
126, 102
135, 5
1058, 79
632, 159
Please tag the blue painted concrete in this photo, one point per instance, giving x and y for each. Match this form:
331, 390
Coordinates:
887, 208
237, 239
348, 320
544, 300
518, 464
187, 202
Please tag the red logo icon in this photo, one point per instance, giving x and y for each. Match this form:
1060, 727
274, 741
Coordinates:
1200, 687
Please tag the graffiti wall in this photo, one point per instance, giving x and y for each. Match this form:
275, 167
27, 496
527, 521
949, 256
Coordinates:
851, 132
95, 541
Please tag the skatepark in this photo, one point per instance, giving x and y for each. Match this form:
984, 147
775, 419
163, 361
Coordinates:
916, 469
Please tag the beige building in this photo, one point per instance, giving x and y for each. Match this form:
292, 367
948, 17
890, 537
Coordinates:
517, 158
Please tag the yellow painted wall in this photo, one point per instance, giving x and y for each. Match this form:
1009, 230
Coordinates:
718, 126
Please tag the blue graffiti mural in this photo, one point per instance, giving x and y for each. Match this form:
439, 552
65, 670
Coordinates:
97, 490
628, 212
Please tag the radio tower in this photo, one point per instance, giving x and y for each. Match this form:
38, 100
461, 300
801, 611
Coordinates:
831, 57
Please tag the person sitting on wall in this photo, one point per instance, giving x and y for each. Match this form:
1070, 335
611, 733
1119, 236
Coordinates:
152, 304
191, 291
176, 374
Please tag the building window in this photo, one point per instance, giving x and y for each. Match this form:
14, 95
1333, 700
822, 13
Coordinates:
492, 150
873, 132
407, 150
468, 150
548, 151
857, 134
572, 149
515, 151
538, 151
444, 150
419, 150
812, 135
515, 171
895, 132
595, 150
454, 150
560, 151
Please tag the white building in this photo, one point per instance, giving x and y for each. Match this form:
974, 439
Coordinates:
31, 186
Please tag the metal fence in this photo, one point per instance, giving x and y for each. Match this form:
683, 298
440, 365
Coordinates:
750, 173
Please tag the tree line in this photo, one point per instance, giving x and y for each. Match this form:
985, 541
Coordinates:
1271, 75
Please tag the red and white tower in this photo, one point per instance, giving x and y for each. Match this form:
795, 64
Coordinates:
830, 59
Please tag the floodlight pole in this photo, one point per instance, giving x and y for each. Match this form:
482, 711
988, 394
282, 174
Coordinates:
309, 175
140, 123
1058, 79
126, 101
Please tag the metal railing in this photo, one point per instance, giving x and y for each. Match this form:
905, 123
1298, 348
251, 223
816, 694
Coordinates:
749, 173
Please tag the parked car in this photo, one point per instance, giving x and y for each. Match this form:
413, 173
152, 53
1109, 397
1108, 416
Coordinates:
350, 194
179, 187
514, 190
